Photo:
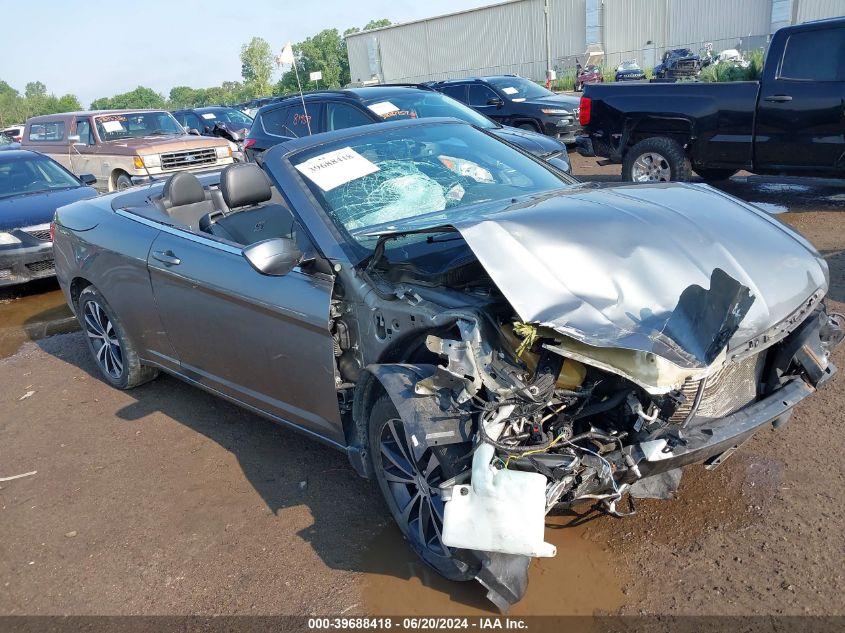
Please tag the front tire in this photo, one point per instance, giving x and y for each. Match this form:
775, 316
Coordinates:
123, 181
410, 488
657, 159
112, 352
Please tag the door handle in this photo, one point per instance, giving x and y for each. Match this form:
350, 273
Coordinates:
778, 98
167, 258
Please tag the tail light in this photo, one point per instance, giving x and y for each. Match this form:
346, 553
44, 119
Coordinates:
53, 231
249, 143
584, 114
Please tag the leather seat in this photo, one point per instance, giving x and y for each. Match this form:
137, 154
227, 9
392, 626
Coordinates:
255, 212
185, 200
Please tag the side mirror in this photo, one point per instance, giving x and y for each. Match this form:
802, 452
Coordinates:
495, 101
276, 257
88, 179
194, 131
75, 139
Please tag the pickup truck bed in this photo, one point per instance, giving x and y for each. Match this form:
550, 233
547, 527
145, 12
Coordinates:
716, 120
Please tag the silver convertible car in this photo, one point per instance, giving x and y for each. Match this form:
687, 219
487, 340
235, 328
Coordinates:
481, 334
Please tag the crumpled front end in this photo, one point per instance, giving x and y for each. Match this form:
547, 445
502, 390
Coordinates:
542, 429
608, 339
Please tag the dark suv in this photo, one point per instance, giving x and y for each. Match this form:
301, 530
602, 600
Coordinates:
330, 110
516, 101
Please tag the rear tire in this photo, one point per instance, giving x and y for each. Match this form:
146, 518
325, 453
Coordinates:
715, 174
657, 159
113, 353
418, 513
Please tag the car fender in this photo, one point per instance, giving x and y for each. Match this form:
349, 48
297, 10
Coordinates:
427, 416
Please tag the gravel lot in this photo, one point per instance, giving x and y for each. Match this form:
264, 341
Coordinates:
166, 500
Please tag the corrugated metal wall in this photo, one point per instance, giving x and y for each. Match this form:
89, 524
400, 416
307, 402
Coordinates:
502, 38
696, 21
510, 37
818, 9
629, 26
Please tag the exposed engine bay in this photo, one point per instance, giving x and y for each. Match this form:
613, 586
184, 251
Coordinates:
530, 419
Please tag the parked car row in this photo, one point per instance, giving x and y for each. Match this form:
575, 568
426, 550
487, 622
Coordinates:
330, 110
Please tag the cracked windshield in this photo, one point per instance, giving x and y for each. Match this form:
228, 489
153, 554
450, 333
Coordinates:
413, 178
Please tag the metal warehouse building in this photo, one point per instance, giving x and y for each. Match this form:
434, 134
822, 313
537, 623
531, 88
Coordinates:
510, 37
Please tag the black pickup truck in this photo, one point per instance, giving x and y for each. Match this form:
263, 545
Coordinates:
792, 121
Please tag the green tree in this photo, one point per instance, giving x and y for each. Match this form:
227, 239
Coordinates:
183, 97
35, 90
17, 108
68, 103
326, 52
141, 97
257, 65
377, 24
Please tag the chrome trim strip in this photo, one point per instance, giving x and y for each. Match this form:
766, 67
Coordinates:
183, 233
37, 227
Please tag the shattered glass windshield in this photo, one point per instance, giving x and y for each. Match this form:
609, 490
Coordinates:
414, 177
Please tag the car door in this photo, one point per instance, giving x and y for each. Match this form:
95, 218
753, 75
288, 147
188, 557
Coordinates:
81, 151
485, 100
261, 340
801, 113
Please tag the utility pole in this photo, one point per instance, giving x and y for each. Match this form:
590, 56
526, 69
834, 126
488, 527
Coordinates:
548, 45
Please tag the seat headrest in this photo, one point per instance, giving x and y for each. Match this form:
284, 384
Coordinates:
182, 188
244, 184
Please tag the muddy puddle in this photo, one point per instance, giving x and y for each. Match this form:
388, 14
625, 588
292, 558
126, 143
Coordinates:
32, 312
580, 580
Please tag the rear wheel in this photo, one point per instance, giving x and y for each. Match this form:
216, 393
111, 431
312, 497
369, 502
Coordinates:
411, 488
658, 159
715, 174
114, 354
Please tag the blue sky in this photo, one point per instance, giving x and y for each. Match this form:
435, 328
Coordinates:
95, 48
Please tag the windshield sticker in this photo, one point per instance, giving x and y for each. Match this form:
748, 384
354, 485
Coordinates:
336, 168
508, 90
112, 126
208, 115
406, 113
383, 108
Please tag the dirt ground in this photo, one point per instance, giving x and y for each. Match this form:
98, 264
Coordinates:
166, 500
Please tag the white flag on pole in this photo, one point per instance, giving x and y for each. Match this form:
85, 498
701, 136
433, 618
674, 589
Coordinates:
287, 55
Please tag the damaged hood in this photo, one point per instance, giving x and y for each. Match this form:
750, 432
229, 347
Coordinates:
632, 267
